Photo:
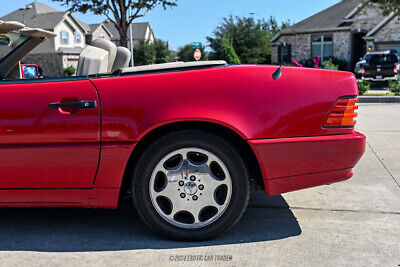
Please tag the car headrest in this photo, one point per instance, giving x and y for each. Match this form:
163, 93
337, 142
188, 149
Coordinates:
110, 47
93, 60
122, 58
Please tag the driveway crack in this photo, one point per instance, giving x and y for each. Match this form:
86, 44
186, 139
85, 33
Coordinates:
383, 164
321, 209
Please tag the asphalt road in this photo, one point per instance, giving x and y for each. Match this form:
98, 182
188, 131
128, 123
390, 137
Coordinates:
356, 222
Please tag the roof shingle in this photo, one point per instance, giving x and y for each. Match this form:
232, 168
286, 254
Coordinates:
329, 18
36, 15
139, 30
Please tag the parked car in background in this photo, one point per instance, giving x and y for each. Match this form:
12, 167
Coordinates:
381, 66
30, 71
358, 70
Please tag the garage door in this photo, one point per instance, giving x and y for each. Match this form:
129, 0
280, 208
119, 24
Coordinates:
388, 47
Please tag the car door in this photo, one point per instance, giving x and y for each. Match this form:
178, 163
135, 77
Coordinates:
49, 134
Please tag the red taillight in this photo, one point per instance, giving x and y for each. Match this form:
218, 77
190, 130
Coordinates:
343, 113
395, 69
363, 70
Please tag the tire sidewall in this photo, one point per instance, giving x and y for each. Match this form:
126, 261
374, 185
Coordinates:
184, 139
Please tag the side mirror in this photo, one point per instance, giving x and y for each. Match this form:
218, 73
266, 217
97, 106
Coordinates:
30, 71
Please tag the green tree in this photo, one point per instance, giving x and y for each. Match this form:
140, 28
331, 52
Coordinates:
117, 11
229, 51
186, 53
163, 54
145, 53
250, 38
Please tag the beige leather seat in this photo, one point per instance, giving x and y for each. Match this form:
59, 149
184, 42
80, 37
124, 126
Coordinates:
92, 60
122, 59
110, 47
97, 58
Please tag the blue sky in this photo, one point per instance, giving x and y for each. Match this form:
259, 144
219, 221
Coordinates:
193, 20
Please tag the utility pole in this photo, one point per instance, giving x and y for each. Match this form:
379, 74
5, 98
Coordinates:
131, 39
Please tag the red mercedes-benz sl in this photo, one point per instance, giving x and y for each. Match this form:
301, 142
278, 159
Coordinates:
187, 141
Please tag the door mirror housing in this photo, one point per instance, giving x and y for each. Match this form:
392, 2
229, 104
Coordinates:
30, 71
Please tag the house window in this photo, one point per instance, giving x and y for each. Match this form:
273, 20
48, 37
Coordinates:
285, 53
322, 46
64, 37
78, 38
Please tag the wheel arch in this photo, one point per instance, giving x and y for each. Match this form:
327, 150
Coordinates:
228, 133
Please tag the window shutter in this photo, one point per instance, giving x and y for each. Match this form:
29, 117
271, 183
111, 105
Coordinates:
289, 53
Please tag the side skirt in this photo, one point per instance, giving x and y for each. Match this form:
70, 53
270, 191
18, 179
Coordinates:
90, 198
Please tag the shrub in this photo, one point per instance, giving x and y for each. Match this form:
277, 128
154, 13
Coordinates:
363, 86
340, 63
343, 64
70, 71
394, 87
328, 64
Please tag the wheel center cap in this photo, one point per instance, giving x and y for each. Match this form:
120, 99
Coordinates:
190, 188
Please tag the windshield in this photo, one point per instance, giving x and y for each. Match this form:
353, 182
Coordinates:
10, 41
367, 57
383, 59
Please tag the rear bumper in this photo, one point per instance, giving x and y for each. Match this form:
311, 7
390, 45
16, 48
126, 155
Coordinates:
390, 78
289, 164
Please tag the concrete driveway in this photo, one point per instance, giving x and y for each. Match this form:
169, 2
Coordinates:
356, 222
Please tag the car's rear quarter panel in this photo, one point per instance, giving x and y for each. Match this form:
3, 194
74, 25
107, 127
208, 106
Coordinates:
244, 99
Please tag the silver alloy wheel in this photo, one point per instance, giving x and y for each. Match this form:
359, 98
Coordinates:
190, 188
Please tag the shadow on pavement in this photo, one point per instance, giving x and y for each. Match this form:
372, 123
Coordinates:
82, 230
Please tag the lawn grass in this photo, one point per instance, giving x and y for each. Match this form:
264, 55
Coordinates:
379, 94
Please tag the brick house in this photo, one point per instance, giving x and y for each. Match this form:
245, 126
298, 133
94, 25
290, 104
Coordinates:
345, 31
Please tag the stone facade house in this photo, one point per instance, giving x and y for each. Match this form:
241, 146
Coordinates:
344, 31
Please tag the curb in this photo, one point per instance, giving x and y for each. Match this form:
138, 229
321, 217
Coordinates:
379, 99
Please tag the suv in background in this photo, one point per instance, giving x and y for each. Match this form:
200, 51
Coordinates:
358, 70
381, 66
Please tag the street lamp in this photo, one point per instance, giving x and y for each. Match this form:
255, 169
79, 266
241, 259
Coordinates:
131, 38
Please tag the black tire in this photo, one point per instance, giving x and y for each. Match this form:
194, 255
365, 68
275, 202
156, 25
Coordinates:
183, 139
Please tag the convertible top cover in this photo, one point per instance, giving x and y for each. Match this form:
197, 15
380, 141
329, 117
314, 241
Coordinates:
14, 26
174, 65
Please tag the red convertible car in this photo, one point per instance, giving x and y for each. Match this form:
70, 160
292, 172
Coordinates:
186, 141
